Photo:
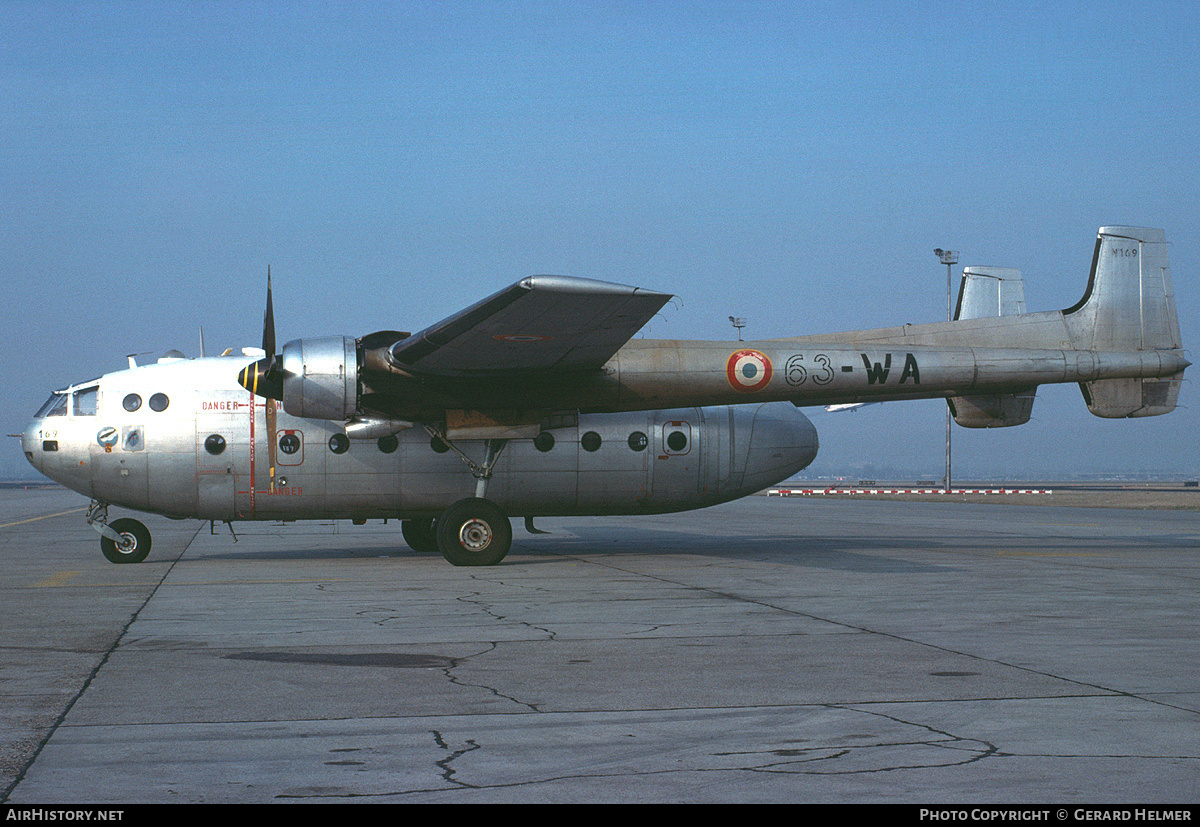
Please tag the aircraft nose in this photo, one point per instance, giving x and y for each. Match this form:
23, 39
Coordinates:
31, 444
783, 441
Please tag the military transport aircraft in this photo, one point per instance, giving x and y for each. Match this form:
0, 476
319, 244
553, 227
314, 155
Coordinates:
536, 402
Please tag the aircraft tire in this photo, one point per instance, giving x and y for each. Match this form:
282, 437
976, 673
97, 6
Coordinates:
136, 533
420, 534
474, 532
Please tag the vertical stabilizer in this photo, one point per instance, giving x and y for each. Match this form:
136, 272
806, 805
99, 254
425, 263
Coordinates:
1129, 303
988, 292
1129, 306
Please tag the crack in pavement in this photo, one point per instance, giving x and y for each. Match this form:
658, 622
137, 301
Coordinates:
448, 772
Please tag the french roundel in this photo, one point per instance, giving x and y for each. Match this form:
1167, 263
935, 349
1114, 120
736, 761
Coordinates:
748, 370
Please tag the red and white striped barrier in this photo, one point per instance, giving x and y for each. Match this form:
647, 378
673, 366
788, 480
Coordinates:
808, 492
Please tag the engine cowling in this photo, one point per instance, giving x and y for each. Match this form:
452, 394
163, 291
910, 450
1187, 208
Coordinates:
320, 378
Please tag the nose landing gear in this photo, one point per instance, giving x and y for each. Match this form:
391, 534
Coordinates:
122, 541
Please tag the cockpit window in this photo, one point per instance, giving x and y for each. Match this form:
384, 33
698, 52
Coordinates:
85, 401
56, 405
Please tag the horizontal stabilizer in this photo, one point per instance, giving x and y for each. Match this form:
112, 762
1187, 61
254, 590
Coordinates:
1120, 398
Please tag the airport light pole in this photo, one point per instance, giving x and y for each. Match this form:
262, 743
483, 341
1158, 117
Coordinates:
949, 258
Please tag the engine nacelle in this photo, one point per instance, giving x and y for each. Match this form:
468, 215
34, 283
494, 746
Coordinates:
320, 378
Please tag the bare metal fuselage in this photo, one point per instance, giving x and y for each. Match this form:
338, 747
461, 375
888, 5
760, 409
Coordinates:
208, 454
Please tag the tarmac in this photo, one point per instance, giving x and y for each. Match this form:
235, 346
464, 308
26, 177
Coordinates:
783, 650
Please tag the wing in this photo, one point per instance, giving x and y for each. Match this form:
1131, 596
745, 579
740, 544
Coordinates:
541, 324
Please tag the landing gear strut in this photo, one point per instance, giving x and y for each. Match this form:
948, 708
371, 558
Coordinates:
474, 531
123, 541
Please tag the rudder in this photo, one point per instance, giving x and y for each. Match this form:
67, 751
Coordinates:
1129, 305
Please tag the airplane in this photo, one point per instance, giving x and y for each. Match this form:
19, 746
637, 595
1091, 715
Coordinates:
537, 401
848, 406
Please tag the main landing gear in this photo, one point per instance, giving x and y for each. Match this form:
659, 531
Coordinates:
420, 534
472, 532
123, 541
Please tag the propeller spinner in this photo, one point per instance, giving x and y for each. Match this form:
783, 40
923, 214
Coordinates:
264, 377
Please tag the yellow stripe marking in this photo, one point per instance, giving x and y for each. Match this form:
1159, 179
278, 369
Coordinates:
43, 517
60, 579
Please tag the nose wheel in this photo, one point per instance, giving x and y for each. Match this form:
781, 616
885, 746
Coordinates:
133, 544
474, 532
123, 541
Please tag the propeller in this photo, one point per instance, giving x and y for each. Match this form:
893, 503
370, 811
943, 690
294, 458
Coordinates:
264, 378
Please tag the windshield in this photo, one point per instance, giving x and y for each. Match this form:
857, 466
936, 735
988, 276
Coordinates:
56, 405
85, 401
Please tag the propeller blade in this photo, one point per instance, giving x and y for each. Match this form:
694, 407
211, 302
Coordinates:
269, 323
263, 378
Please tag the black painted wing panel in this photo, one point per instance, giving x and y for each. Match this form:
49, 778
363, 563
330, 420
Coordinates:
540, 324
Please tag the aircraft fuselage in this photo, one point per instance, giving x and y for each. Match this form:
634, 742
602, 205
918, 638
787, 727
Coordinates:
181, 438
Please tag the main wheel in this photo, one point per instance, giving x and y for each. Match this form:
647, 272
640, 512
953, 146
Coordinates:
134, 545
420, 534
474, 532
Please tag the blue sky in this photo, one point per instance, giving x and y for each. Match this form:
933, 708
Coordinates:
792, 163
